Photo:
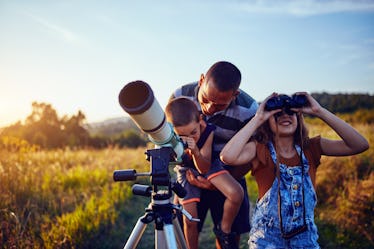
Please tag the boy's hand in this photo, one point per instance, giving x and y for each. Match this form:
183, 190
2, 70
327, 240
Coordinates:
191, 145
199, 181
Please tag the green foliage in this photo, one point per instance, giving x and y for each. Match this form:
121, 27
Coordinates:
332, 237
345, 103
82, 227
130, 139
252, 188
64, 198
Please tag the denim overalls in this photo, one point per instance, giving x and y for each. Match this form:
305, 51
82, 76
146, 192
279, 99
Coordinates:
265, 231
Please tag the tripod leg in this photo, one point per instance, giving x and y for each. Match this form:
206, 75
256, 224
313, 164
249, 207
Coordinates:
167, 239
160, 241
179, 234
136, 234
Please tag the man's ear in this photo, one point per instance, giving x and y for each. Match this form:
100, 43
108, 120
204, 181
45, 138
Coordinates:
202, 78
236, 93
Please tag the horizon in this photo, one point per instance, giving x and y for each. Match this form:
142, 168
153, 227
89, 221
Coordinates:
126, 116
77, 55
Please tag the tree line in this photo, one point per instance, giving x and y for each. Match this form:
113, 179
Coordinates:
45, 129
345, 103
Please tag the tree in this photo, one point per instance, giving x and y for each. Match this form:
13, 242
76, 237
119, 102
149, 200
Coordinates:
131, 139
74, 133
43, 127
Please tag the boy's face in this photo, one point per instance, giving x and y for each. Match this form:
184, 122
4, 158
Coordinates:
191, 130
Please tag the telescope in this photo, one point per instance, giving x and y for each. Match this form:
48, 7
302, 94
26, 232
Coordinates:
137, 99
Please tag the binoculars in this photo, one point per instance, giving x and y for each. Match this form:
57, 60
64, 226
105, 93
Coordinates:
286, 102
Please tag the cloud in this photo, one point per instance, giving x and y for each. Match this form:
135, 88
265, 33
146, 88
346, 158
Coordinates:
65, 34
304, 8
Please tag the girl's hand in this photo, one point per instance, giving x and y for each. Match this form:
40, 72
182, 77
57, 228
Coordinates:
262, 115
312, 107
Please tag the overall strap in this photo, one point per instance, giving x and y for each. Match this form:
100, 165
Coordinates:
274, 156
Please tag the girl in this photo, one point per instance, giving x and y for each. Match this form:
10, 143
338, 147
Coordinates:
284, 163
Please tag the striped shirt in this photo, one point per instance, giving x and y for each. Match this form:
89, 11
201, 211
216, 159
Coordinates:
227, 122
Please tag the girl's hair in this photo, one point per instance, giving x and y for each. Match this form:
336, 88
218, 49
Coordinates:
181, 111
264, 134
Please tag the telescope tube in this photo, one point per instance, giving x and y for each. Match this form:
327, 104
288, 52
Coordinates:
137, 99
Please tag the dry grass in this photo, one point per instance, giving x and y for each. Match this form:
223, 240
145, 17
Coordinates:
68, 199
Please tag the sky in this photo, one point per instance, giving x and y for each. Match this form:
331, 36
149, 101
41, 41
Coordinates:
78, 54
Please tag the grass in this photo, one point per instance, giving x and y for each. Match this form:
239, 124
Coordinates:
68, 199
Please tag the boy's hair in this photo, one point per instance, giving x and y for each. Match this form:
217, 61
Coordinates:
224, 75
181, 111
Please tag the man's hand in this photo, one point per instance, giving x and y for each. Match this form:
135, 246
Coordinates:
199, 181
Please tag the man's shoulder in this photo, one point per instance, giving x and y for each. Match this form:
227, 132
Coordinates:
188, 90
245, 100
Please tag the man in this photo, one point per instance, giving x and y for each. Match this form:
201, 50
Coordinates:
223, 104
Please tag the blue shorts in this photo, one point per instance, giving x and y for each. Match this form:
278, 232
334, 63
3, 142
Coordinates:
194, 193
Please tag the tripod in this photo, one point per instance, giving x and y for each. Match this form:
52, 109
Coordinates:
168, 233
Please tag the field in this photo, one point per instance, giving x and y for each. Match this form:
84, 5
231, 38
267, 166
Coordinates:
68, 199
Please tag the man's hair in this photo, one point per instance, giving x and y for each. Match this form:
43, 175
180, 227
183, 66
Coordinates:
224, 75
181, 111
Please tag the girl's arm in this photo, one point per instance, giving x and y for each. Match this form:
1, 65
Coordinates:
239, 150
351, 141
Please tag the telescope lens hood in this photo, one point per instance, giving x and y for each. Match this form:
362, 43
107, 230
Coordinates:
136, 97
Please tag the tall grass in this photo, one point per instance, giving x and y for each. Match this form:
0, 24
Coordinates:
345, 190
68, 199
62, 198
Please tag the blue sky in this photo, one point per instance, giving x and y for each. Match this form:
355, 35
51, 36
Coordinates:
78, 54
